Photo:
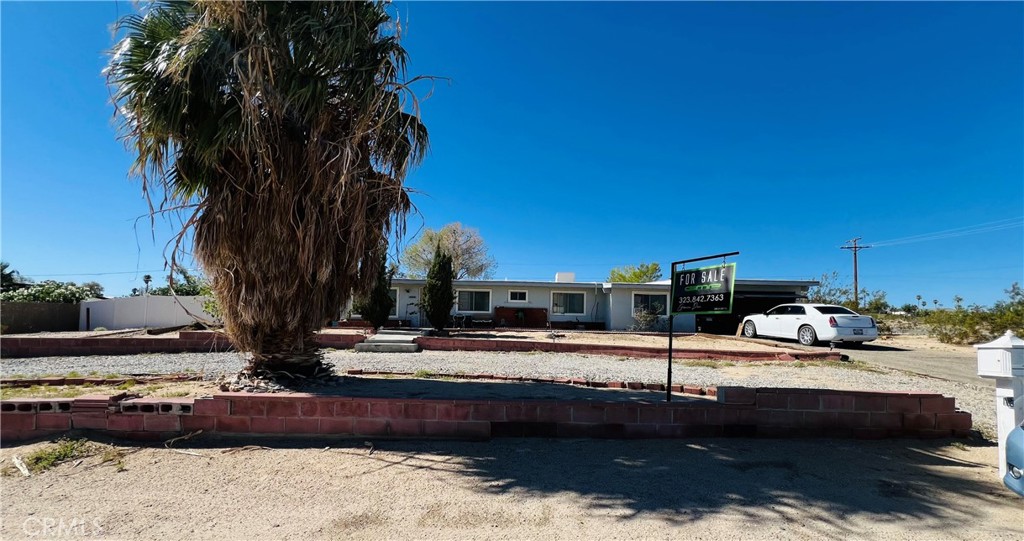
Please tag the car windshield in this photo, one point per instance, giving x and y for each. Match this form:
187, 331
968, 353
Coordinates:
835, 310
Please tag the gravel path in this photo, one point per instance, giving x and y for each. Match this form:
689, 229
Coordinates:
972, 398
151, 363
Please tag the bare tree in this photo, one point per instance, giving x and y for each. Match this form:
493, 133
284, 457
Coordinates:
464, 244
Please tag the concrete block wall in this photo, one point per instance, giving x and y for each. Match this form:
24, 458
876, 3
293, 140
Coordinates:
734, 411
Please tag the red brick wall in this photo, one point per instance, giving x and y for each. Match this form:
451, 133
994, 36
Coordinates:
737, 411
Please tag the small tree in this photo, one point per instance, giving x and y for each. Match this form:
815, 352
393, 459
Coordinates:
642, 273
438, 295
375, 306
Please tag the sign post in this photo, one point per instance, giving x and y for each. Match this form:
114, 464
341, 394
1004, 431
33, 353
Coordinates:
702, 290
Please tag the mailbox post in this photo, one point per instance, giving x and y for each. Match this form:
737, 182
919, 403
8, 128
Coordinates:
1003, 360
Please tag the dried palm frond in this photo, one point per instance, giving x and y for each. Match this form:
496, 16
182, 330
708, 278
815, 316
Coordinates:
285, 124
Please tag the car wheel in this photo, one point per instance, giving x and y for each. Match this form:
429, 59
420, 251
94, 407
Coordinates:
806, 335
749, 330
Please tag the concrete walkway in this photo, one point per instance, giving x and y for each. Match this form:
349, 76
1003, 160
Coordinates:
392, 341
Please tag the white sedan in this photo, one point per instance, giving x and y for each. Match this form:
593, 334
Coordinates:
810, 323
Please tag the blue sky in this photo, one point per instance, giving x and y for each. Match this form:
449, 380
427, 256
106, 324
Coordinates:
584, 136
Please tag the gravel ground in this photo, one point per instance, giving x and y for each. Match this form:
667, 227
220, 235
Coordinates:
975, 399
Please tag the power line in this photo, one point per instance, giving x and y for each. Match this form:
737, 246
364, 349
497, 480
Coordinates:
998, 225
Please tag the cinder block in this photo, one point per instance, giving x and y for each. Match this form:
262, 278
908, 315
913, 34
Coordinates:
282, 408
301, 425
231, 423
211, 407
886, 420
554, 413
89, 420
834, 402
488, 412
689, 416
820, 419
10, 421
406, 428
736, 395
655, 415
421, 411
772, 401
918, 421
267, 425
474, 430
853, 419
372, 427
51, 421
945, 421
160, 423
316, 408
588, 414
248, 407
192, 423
387, 410
869, 403
621, 414
351, 408
336, 426
804, 402
453, 412
938, 405
903, 404
521, 413
440, 429
125, 423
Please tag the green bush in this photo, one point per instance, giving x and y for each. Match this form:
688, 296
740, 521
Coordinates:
375, 306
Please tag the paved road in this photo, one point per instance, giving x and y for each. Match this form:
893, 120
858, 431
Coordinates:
952, 366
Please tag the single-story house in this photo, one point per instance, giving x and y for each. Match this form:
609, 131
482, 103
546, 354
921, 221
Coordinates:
568, 304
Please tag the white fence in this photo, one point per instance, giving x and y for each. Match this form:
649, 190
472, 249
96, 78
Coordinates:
145, 311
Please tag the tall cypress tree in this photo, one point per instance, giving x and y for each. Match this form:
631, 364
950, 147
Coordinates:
438, 294
375, 306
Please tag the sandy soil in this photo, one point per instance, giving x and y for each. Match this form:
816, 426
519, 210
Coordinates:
924, 343
520, 489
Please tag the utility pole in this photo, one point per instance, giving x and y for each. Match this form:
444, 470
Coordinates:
853, 247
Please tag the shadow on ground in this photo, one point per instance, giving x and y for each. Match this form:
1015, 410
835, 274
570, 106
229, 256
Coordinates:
680, 482
457, 389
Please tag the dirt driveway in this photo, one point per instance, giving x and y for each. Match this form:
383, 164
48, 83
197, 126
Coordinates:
525, 489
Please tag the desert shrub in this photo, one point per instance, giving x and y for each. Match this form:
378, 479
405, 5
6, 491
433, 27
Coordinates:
645, 320
975, 324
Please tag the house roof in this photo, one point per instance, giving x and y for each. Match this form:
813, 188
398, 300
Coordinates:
659, 285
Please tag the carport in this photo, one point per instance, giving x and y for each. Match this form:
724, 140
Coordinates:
751, 297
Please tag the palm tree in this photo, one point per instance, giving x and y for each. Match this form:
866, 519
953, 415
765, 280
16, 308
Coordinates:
282, 126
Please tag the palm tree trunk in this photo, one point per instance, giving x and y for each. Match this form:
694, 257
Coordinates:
282, 356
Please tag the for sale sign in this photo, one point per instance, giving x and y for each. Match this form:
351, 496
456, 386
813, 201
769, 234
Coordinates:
706, 290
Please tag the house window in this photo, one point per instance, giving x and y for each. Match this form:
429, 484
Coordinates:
516, 296
568, 304
656, 304
474, 301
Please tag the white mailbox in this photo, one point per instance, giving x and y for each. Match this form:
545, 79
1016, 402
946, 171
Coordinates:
1002, 357
1003, 360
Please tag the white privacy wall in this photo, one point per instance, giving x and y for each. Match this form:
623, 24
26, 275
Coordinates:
146, 311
